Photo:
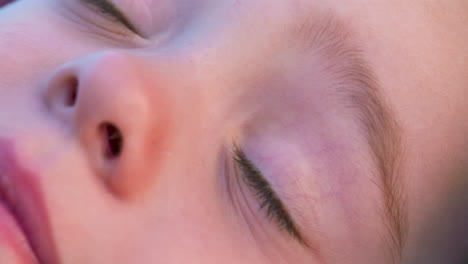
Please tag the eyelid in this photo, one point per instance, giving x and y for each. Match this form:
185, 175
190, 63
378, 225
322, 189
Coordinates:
267, 197
110, 10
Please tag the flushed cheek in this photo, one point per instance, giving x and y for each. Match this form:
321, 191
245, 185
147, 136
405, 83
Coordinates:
13, 41
35, 40
192, 233
25, 53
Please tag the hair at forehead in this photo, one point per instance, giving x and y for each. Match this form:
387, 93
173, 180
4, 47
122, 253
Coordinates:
352, 77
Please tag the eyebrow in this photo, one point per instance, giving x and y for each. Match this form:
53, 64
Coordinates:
360, 92
110, 9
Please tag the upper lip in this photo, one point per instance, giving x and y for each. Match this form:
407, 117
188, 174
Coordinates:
21, 193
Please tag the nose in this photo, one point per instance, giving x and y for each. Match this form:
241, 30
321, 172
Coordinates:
107, 103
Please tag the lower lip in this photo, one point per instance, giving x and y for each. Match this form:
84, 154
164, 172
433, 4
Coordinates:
14, 247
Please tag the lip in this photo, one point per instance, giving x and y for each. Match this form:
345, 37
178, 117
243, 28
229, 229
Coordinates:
22, 196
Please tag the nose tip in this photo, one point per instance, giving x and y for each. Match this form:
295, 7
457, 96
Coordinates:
100, 87
103, 100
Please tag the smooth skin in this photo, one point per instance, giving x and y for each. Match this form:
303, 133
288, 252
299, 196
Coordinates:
207, 74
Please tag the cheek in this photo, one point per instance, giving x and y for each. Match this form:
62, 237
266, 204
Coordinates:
22, 36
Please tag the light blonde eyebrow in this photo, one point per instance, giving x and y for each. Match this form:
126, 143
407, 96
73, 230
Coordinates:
357, 85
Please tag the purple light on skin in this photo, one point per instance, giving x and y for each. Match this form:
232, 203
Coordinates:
5, 2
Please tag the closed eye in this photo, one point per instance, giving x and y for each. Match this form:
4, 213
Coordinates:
266, 196
107, 8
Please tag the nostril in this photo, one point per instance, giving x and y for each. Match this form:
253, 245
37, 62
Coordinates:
71, 92
112, 140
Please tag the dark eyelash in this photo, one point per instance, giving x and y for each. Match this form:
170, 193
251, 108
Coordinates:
110, 10
268, 199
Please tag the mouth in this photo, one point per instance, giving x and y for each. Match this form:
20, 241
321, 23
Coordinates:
22, 199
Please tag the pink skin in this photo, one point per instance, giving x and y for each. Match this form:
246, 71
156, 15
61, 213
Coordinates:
14, 246
25, 219
205, 74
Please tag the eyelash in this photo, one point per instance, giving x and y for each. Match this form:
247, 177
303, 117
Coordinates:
264, 193
110, 12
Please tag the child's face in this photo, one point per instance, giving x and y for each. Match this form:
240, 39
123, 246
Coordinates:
233, 131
